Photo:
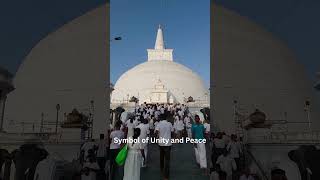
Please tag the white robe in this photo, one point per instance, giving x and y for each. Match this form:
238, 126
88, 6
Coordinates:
133, 162
227, 164
200, 153
45, 169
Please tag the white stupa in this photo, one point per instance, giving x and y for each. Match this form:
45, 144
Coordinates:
160, 80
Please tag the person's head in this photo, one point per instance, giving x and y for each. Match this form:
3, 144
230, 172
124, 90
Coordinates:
101, 136
136, 132
197, 119
162, 116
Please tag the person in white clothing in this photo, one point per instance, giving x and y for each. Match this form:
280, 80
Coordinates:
200, 149
135, 157
144, 133
101, 151
227, 164
187, 123
235, 149
162, 110
151, 125
86, 147
164, 131
207, 129
226, 138
180, 127
218, 141
130, 124
114, 149
90, 167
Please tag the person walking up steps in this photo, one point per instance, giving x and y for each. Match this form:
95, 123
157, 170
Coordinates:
164, 130
198, 132
144, 133
134, 158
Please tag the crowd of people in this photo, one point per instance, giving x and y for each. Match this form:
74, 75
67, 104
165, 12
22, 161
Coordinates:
221, 157
228, 158
161, 121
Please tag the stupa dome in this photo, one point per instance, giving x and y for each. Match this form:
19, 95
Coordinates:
160, 73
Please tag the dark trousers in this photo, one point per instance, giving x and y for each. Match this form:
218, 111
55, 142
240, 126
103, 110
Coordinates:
113, 164
101, 162
165, 160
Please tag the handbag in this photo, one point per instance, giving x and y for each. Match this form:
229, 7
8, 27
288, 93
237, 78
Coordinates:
122, 155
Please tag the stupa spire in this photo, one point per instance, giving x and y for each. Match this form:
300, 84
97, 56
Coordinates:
159, 40
160, 52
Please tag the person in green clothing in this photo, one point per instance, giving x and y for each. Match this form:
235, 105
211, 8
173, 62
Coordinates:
198, 132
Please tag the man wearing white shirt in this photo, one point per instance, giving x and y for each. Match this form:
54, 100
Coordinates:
235, 149
162, 110
207, 129
164, 131
115, 148
144, 132
156, 114
102, 151
181, 113
180, 127
227, 164
187, 123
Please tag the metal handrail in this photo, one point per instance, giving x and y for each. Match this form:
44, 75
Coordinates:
264, 174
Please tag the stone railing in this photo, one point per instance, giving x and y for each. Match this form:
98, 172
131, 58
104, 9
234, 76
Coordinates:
302, 137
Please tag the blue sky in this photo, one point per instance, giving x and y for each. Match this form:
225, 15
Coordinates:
186, 26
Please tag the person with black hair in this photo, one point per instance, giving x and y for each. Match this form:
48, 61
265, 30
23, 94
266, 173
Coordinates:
90, 167
135, 157
164, 130
130, 126
101, 151
144, 133
198, 132
115, 148
227, 164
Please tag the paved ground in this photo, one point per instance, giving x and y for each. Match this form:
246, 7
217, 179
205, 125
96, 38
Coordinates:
183, 166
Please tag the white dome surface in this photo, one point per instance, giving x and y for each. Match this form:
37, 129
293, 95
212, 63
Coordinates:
68, 67
179, 81
140, 80
257, 70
